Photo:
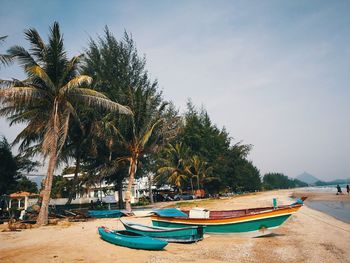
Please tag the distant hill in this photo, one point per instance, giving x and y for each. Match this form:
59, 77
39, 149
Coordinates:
307, 178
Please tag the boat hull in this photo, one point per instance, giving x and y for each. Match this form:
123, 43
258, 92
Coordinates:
105, 213
260, 223
131, 240
176, 235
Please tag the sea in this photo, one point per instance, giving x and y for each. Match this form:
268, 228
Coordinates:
338, 209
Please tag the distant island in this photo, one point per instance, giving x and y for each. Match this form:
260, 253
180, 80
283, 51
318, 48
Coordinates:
314, 181
307, 178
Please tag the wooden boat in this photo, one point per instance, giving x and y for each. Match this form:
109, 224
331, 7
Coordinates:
175, 235
105, 213
131, 239
255, 220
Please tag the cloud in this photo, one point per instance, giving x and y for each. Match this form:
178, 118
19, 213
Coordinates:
274, 73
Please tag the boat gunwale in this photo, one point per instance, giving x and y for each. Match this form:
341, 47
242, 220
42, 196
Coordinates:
230, 220
116, 233
159, 229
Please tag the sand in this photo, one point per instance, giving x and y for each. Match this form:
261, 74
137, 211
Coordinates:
308, 236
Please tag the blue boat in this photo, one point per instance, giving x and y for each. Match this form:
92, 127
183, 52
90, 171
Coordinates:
105, 213
131, 239
175, 235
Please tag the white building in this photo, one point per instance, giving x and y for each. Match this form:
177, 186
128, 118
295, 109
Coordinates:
105, 191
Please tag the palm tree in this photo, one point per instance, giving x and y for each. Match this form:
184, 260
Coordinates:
140, 137
198, 169
174, 166
46, 100
4, 59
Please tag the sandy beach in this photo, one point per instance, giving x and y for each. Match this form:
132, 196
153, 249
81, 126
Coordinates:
308, 236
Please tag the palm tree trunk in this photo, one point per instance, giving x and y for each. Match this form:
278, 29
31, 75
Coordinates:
120, 194
43, 218
132, 171
192, 185
150, 182
198, 186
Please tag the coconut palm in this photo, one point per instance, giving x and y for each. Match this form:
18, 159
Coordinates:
4, 59
139, 135
46, 100
198, 169
174, 166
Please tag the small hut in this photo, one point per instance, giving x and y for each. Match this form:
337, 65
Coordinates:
22, 200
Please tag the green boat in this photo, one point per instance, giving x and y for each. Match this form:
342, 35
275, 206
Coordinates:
105, 213
256, 221
131, 239
188, 234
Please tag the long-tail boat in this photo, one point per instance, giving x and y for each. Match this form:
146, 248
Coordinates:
188, 234
258, 220
131, 239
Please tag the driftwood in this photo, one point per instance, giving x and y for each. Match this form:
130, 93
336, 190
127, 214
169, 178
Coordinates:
14, 225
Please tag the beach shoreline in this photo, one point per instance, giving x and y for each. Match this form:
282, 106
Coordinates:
308, 236
320, 195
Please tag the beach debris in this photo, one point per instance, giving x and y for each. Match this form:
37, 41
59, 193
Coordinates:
17, 225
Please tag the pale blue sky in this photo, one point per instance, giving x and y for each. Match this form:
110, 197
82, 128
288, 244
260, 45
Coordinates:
274, 73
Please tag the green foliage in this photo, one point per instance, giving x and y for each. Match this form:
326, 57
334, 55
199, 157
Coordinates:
280, 181
26, 185
60, 187
186, 152
142, 202
68, 170
12, 169
8, 168
173, 166
209, 159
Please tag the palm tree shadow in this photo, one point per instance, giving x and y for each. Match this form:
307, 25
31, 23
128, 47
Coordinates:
271, 235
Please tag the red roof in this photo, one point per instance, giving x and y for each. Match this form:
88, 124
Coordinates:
21, 194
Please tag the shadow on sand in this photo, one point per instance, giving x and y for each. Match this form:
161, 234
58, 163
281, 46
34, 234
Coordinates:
271, 235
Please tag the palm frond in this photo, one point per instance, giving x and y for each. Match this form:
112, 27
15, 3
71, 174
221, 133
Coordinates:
22, 93
4, 59
37, 44
165, 169
22, 55
71, 69
76, 83
94, 98
148, 134
2, 38
6, 83
37, 71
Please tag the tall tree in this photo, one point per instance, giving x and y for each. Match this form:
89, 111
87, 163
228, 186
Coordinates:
46, 100
119, 71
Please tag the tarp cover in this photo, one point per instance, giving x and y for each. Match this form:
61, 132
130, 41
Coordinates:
170, 212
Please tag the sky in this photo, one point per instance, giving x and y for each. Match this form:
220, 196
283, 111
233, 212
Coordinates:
275, 74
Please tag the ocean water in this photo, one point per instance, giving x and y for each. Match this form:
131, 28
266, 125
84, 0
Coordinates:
337, 209
325, 189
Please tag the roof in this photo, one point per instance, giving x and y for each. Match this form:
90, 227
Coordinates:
21, 194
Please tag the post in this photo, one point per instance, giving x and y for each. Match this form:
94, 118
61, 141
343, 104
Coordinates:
274, 201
